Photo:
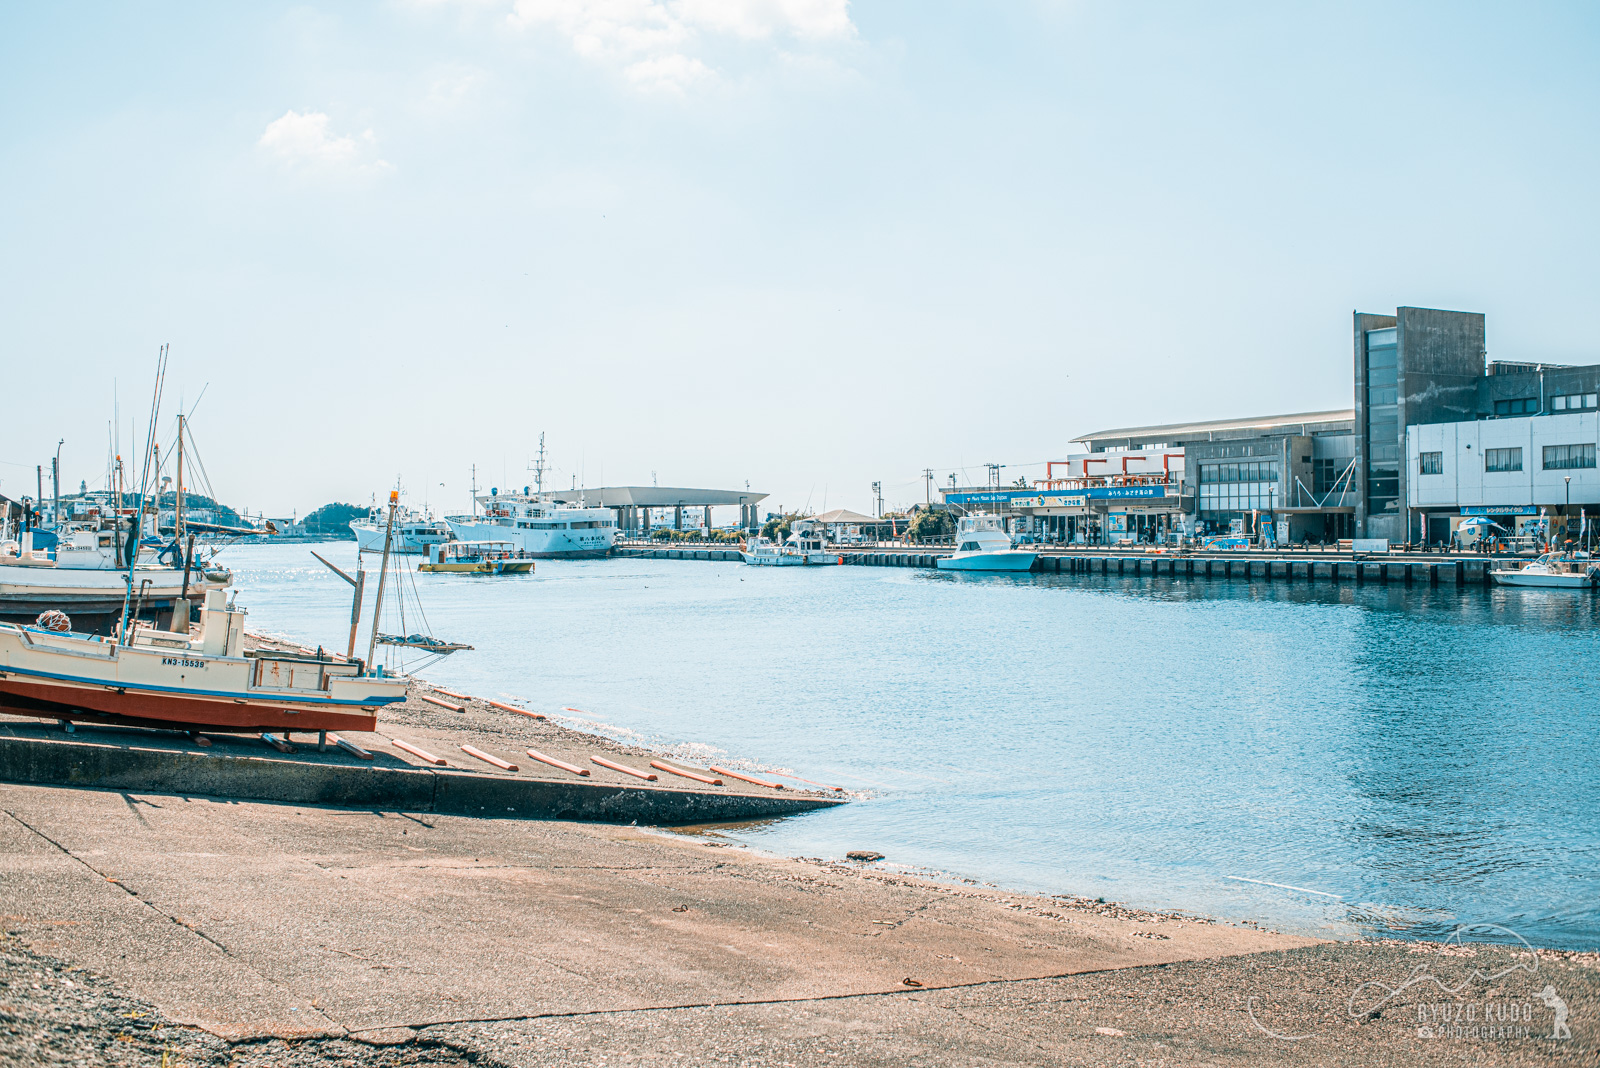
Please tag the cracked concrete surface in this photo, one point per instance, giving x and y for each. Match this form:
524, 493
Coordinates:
263, 934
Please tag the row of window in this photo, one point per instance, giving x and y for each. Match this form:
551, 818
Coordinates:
1556, 458
1257, 471
1570, 402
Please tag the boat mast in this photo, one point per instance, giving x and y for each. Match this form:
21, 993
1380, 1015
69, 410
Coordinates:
177, 501
144, 484
538, 469
383, 573
474, 491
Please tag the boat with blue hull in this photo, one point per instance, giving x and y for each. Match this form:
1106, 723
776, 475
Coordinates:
983, 545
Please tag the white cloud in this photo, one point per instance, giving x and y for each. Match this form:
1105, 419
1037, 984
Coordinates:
669, 73
651, 40
812, 19
303, 140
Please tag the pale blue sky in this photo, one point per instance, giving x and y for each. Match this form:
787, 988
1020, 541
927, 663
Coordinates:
781, 241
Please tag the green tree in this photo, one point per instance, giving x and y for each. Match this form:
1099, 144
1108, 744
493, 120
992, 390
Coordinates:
777, 528
334, 519
931, 524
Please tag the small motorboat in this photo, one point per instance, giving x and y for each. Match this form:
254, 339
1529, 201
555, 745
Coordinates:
1561, 571
983, 545
476, 558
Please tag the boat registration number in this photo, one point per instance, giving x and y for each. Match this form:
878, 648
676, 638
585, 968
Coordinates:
178, 661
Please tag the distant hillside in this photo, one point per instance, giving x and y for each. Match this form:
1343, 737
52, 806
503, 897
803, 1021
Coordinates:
334, 519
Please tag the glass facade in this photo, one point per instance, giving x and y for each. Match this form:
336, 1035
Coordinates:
1383, 423
1239, 487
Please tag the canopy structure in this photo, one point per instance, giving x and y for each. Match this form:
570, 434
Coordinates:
845, 517
633, 504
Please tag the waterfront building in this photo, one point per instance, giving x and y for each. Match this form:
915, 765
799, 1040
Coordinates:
1437, 432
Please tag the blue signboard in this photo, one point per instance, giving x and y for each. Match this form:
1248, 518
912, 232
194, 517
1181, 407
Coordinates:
1098, 493
1499, 509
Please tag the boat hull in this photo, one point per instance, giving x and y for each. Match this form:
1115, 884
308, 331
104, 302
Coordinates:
589, 543
1006, 560
1543, 580
493, 567
791, 559
369, 539
72, 677
135, 708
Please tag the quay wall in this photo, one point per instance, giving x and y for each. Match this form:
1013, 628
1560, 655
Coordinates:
1321, 567
153, 770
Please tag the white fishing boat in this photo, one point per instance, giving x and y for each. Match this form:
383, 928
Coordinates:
87, 574
1562, 571
202, 680
983, 545
804, 546
414, 532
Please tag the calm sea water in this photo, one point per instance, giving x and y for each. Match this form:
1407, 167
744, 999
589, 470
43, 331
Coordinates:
1421, 757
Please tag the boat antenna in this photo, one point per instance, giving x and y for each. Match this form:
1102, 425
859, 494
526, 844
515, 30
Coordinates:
383, 573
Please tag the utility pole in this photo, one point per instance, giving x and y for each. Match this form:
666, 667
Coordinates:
927, 486
877, 499
55, 475
994, 475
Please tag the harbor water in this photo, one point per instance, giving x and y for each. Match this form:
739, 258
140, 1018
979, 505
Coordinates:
1397, 760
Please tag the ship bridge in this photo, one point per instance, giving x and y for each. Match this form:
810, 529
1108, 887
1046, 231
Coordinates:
634, 504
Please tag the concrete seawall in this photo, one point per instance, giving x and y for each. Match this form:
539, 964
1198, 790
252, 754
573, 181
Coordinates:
49, 762
1449, 572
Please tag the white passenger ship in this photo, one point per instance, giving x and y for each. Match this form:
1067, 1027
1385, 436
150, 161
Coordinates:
414, 531
539, 526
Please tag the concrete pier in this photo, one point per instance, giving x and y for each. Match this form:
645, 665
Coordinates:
1426, 570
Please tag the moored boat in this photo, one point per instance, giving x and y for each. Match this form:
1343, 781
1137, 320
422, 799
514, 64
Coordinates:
1562, 571
804, 546
983, 545
414, 532
477, 558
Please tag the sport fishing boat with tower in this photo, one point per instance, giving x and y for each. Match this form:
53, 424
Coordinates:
983, 545
536, 525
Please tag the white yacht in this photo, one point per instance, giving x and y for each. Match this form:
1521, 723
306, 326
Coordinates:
537, 525
414, 531
803, 546
1566, 571
983, 545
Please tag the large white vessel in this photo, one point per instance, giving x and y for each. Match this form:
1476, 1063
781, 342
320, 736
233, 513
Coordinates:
414, 531
983, 545
538, 526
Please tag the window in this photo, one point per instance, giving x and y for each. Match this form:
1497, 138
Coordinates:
1568, 457
1573, 402
1525, 406
1239, 487
1502, 459
1430, 463
1327, 473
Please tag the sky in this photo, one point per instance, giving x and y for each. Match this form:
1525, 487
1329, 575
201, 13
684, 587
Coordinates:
801, 244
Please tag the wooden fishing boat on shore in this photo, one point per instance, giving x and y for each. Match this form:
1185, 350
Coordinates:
187, 681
